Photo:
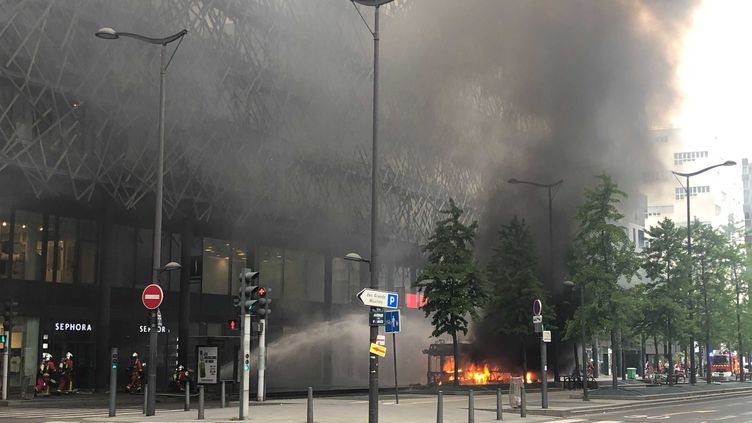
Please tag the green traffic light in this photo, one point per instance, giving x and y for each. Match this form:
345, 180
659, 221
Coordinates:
114, 366
2, 339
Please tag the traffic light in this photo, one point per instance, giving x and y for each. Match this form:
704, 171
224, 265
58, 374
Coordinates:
247, 289
261, 307
9, 314
2, 339
232, 324
114, 360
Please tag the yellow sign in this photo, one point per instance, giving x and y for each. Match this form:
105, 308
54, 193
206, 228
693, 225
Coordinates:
378, 350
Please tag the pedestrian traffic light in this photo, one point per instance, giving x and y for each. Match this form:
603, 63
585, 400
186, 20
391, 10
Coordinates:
2, 339
247, 289
247, 362
233, 324
9, 314
114, 360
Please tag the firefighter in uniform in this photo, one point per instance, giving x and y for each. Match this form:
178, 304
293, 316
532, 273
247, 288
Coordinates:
43, 377
135, 370
66, 374
50, 374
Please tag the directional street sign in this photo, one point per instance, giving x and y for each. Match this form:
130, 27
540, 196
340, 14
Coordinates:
374, 298
546, 336
537, 319
152, 296
392, 321
378, 350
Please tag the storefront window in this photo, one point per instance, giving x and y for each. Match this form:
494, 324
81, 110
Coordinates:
5, 250
345, 280
215, 278
270, 269
143, 257
66, 249
239, 262
121, 255
28, 233
304, 276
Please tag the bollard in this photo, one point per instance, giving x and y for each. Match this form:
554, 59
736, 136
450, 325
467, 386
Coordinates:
309, 413
499, 415
146, 395
523, 404
200, 402
113, 381
470, 407
187, 405
440, 408
222, 402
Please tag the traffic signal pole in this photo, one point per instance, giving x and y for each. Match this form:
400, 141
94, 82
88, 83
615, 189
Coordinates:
245, 382
262, 360
6, 353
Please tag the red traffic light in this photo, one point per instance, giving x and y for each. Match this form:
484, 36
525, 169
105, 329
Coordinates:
233, 324
261, 292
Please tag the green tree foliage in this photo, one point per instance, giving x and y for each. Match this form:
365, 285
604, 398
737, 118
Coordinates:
602, 256
665, 296
513, 284
451, 283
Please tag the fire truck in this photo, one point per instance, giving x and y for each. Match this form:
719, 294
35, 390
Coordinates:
724, 365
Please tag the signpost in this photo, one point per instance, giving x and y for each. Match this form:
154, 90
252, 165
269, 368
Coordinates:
376, 317
378, 301
392, 325
538, 322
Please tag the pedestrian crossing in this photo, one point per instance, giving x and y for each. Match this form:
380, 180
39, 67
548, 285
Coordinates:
54, 415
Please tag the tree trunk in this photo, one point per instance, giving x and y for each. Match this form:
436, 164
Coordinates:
596, 358
576, 359
555, 346
670, 358
456, 352
655, 359
642, 355
614, 383
622, 361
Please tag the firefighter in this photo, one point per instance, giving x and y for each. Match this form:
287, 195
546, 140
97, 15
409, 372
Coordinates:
43, 376
51, 372
135, 370
66, 374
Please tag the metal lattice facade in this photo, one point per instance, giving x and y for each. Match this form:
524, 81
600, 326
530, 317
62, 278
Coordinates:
249, 136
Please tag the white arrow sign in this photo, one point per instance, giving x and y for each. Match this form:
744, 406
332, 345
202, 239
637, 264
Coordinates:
374, 298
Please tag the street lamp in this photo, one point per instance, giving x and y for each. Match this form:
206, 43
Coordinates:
708, 372
582, 337
373, 362
110, 34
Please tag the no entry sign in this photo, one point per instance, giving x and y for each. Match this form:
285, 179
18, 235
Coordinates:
152, 296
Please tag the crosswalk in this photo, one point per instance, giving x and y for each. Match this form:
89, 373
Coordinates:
55, 415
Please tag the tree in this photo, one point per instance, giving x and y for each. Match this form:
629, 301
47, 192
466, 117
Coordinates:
451, 283
663, 261
601, 257
513, 284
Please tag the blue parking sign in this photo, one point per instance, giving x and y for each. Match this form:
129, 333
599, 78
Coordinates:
392, 321
392, 300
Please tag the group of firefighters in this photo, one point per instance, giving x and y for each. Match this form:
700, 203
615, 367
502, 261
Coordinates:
58, 377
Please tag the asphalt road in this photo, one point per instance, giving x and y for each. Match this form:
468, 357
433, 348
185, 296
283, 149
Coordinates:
730, 410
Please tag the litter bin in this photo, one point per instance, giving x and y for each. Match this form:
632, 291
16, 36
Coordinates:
631, 373
515, 386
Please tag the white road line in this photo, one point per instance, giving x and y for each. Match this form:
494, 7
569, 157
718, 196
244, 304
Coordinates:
570, 421
725, 418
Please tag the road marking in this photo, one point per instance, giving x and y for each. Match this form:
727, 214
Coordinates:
725, 418
570, 421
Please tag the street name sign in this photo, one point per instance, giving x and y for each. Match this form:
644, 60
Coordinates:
375, 298
546, 336
152, 296
392, 324
376, 317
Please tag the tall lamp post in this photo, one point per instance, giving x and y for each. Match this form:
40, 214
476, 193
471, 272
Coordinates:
687, 194
111, 34
550, 188
582, 337
373, 362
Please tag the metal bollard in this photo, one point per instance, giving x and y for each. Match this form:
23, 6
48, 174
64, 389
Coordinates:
146, 395
309, 413
222, 401
470, 407
187, 405
440, 408
200, 402
523, 404
113, 381
499, 415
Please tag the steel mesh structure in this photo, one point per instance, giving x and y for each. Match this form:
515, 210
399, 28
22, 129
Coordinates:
267, 120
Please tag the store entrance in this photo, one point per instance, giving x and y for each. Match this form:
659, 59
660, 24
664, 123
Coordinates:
84, 353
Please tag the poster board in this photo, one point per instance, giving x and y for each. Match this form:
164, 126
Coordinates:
207, 370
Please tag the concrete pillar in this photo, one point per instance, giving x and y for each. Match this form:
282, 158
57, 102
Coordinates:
328, 365
184, 321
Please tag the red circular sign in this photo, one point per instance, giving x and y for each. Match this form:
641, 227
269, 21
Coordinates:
152, 296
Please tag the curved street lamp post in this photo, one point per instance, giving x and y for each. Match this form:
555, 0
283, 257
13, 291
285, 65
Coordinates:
708, 371
110, 34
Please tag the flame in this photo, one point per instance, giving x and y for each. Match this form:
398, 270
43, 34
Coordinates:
474, 373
